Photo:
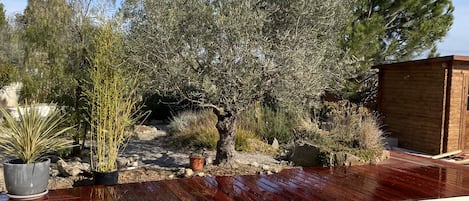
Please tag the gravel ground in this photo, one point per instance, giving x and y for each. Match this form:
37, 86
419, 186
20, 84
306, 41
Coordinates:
158, 162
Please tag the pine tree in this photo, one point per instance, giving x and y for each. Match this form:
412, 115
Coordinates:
386, 31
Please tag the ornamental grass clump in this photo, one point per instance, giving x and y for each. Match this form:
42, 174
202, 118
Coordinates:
113, 101
32, 134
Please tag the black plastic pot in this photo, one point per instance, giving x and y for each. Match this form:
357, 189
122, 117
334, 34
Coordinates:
26, 179
106, 178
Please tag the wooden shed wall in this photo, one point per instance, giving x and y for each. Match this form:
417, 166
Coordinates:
457, 133
455, 110
412, 100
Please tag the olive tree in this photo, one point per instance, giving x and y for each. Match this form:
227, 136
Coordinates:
226, 55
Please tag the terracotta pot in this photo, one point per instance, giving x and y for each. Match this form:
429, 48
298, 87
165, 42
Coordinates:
197, 162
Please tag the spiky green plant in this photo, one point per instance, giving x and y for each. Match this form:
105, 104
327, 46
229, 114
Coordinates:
32, 135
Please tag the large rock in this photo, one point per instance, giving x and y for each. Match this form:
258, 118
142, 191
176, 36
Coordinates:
346, 159
306, 155
73, 168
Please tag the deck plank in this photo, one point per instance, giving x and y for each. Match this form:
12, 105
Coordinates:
403, 177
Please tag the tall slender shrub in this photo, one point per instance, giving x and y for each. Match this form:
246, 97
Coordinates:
113, 100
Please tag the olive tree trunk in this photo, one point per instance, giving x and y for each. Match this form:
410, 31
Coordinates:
226, 126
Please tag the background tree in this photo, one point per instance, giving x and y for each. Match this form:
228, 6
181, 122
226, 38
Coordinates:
58, 35
384, 31
227, 55
47, 34
10, 50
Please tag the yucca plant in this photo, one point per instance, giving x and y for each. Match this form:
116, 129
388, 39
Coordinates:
32, 134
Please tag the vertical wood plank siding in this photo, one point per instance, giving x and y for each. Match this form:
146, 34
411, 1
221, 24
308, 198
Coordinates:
423, 103
412, 100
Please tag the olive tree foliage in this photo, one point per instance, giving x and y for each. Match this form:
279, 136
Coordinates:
227, 55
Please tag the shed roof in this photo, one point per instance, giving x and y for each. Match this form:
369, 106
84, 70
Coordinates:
426, 61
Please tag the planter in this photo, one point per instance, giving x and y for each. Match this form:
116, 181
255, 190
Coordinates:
26, 179
197, 162
106, 178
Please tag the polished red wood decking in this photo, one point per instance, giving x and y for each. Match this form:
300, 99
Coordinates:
403, 177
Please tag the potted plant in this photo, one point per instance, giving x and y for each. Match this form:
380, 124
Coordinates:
197, 161
113, 103
28, 137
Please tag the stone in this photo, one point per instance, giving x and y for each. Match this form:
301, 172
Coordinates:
275, 144
385, 155
208, 160
134, 164
189, 172
346, 159
74, 171
255, 164
134, 157
306, 155
9, 95
158, 155
181, 171
353, 160
200, 174
269, 172
148, 133
66, 169
266, 167
54, 172
122, 162
277, 169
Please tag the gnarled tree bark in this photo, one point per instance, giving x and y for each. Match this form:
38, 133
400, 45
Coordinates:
226, 126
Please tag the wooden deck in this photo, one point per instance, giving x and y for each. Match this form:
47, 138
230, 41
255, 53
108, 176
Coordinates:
403, 177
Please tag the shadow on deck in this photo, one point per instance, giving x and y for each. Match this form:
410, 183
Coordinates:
403, 177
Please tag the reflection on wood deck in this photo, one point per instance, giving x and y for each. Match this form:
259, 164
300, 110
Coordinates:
403, 177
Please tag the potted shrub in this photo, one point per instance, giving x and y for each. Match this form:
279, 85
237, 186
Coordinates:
113, 102
28, 137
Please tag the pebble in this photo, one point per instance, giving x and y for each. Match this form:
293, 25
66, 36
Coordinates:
255, 164
189, 172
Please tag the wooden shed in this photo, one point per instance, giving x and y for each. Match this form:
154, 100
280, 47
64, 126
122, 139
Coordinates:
424, 103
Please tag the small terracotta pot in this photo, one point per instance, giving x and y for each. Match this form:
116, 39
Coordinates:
197, 162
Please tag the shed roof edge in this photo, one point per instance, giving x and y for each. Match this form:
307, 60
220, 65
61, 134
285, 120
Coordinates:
430, 60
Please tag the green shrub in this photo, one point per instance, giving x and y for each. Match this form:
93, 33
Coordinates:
344, 127
269, 123
8, 74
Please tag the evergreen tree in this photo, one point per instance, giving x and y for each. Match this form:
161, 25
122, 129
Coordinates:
386, 31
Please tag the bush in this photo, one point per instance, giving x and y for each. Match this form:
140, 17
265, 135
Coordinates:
269, 123
344, 127
8, 74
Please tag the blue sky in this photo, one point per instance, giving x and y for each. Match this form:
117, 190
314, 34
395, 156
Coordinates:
455, 43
